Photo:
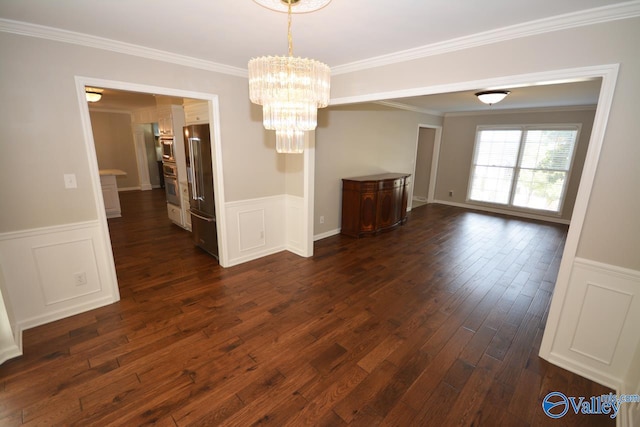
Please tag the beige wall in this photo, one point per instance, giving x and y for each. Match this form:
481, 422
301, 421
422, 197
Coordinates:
357, 140
113, 139
611, 231
458, 137
42, 137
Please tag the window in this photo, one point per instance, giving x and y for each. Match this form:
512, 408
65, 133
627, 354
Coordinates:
522, 166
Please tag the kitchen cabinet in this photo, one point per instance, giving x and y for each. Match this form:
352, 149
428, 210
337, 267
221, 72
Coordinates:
165, 120
196, 111
145, 115
175, 214
184, 194
374, 203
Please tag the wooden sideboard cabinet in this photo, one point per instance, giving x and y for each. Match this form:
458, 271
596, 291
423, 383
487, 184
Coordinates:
374, 203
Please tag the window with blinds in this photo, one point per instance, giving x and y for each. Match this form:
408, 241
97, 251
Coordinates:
522, 166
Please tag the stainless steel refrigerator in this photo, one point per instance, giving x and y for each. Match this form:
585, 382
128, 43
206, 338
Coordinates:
197, 146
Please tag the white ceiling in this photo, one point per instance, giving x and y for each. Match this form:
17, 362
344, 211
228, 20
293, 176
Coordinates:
345, 31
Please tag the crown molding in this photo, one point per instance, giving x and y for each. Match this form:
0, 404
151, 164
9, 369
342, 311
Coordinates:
558, 109
615, 12
598, 15
56, 34
407, 107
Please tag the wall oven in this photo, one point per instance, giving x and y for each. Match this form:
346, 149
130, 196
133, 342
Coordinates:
170, 172
166, 142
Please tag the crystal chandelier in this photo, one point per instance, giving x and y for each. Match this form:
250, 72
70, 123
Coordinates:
290, 90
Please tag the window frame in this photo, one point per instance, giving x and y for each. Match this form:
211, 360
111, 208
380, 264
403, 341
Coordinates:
524, 129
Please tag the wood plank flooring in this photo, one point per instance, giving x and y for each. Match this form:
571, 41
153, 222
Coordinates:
436, 323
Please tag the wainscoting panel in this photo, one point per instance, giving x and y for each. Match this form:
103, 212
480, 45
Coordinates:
251, 230
67, 270
255, 228
603, 314
597, 333
55, 272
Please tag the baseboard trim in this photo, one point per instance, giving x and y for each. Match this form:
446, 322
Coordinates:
255, 255
10, 352
585, 371
32, 322
326, 234
504, 212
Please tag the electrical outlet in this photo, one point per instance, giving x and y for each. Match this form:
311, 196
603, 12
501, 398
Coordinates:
70, 180
321, 219
450, 193
80, 278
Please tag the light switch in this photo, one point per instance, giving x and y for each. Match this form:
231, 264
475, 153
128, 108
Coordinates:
70, 180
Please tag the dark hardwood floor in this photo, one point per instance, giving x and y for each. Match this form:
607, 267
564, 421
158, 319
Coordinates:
436, 323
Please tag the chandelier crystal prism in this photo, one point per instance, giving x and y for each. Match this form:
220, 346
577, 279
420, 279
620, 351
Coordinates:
290, 90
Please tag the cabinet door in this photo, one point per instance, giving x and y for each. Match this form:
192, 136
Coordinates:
368, 212
389, 204
165, 124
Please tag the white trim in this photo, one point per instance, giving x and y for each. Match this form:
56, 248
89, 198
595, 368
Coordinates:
10, 352
255, 201
407, 107
566, 75
124, 189
435, 157
555, 23
503, 212
255, 255
585, 371
585, 273
609, 74
34, 232
622, 272
272, 231
308, 203
216, 153
494, 111
56, 34
32, 322
592, 16
326, 234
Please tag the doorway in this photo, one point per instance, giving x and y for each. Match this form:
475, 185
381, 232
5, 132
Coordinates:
216, 155
426, 165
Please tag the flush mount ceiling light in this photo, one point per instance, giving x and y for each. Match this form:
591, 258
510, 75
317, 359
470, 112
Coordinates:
93, 96
290, 89
492, 96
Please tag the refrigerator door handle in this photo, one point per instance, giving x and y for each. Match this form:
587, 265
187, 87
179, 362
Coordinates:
201, 217
192, 169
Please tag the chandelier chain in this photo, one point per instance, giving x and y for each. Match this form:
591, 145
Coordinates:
289, 37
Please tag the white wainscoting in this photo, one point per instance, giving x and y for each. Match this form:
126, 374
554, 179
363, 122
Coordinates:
255, 228
597, 334
9, 347
294, 220
56, 272
264, 226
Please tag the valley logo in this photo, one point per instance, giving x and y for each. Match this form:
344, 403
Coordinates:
556, 404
